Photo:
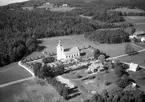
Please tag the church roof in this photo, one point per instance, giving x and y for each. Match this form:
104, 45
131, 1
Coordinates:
71, 50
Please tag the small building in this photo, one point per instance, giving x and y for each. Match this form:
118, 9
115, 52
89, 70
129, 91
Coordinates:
133, 67
69, 53
65, 5
47, 3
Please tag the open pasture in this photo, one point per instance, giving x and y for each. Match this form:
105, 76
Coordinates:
135, 19
127, 10
29, 91
13, 72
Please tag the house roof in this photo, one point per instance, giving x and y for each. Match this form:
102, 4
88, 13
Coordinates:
71, 50
138, 32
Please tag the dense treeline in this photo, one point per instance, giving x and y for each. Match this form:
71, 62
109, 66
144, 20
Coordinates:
132, 3
108, 36
132, 95
109, 17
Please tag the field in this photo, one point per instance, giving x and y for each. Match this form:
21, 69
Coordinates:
139, 58
62, 9
29, 91
127, 10
79, 41
135, 19
12, 72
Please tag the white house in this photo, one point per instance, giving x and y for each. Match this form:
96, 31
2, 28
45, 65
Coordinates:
137, 34
69, 53
133, 67
65, 5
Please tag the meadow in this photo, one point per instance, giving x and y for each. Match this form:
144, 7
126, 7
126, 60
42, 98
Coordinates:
12, 72
127, 10
62, 9
29, 91
138, 59
50, 44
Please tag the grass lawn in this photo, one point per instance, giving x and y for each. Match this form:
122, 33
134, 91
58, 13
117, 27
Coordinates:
139, 59
29, 91
127, 10
13, 72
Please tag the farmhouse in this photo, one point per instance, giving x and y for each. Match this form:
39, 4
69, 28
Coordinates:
70, 53
139, 35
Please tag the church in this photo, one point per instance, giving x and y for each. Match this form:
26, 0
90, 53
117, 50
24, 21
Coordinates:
65, 54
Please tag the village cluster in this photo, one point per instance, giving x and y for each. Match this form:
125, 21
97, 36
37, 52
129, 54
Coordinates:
72, 59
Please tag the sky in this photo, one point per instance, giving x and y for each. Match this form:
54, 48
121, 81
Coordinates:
5, 2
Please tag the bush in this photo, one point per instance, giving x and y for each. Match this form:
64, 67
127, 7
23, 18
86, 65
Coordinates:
48, 60
107, 83
102, 58
130, 50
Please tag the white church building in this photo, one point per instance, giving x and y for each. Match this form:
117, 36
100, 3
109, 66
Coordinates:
69, 53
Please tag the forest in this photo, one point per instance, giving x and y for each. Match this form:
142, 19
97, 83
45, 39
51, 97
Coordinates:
19, 28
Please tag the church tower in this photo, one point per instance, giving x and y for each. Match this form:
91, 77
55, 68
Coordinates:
60, 51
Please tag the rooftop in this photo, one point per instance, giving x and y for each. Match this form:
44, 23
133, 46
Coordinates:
71, 50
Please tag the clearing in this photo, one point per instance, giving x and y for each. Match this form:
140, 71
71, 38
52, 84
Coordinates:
62, 9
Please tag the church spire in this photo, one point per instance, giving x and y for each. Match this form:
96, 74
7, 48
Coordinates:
60, 44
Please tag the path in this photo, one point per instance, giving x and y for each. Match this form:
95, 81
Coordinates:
17, 81
124, 55
21, 80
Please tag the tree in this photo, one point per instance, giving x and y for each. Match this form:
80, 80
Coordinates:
121, 82
102, 58
37, 66
119, 71
130, 50
96, 53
